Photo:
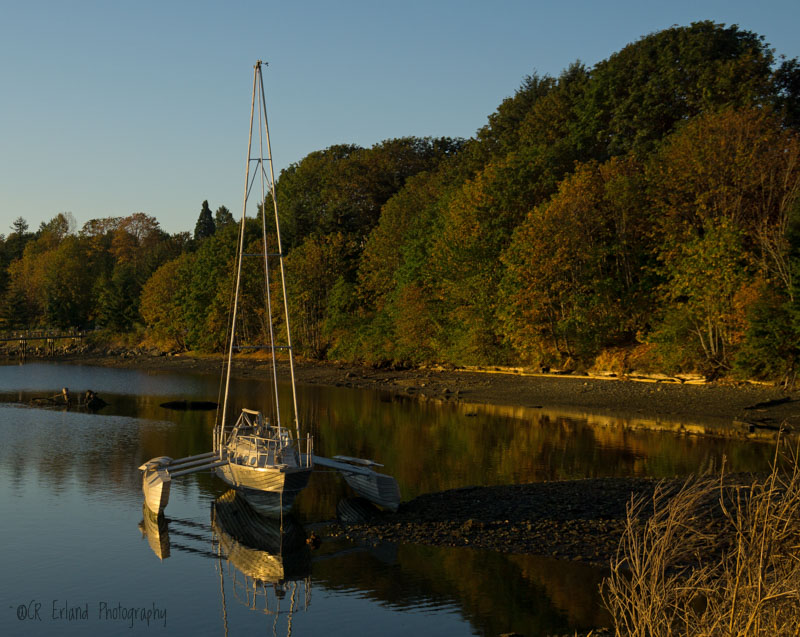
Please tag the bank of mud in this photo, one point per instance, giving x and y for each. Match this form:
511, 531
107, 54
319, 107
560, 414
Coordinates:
715, 408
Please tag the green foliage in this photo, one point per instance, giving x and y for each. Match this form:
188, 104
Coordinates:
20, 226
315, 268
771, 348
68, 285
223, 217
640, 94
574, 278
16, 312
205, 299
705, 295
343, 321
118, 299
722, 189
342, 188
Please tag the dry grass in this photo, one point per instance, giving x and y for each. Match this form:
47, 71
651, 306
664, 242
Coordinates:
712, 558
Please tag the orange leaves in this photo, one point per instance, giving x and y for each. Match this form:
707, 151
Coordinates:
736, 164
573, 266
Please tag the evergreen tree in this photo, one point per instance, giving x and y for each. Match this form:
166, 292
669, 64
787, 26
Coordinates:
20, 226
205, 223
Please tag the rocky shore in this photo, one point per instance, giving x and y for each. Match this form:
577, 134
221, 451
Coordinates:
579, 520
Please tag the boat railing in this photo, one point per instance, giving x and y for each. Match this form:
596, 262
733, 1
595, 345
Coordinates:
271, 450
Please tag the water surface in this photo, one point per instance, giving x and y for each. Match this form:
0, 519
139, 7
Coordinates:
79, 557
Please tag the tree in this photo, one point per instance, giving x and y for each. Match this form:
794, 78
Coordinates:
67, 285
161, 306
206, 292
19, 226
405, 219
118, 298
314, 268
204, 227
739, 165
638, 95
342, 188
223, 217
722, 189
59, 226
705, 297
575, 272
501, 134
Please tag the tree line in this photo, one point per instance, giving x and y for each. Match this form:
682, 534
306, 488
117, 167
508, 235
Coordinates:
642, 213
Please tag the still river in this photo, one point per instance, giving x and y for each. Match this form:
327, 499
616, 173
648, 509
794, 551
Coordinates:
79, 559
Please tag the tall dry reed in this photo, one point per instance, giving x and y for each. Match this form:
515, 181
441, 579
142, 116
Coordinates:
711, 557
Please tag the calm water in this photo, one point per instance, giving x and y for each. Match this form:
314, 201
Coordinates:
79, 557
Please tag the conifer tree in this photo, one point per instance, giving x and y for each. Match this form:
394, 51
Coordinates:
205, 226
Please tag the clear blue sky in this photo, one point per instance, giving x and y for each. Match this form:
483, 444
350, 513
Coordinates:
114, 107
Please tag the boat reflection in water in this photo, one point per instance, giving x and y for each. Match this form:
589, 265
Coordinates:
155, 529
266, 559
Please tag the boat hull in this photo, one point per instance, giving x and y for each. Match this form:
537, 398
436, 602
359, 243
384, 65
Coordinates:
155, 486
271, 491
378, 488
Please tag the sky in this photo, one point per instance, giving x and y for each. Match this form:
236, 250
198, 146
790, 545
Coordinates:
113, 107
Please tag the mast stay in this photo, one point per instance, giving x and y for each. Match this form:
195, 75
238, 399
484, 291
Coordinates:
258, 108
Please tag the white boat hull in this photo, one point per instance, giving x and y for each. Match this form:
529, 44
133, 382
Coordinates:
155, 486
375, 487
271, 491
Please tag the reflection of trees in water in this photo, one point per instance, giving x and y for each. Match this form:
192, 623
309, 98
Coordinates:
97, 452
497, 593
431, 446
427, 446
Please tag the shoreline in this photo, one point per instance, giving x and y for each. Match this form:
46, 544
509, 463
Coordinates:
741, 410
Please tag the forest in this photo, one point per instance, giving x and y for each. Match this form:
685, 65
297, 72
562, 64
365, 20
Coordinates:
641, 214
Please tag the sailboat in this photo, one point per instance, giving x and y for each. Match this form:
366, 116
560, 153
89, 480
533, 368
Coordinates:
263, 457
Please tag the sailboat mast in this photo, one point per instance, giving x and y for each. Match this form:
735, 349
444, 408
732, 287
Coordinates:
262, 115
219, 440
280, 258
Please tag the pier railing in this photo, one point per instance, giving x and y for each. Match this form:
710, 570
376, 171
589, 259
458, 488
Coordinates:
41, 335
23, 337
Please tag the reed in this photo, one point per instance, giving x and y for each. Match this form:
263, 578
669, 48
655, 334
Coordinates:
711, 557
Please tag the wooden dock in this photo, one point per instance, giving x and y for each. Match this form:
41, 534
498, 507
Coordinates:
49, 337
